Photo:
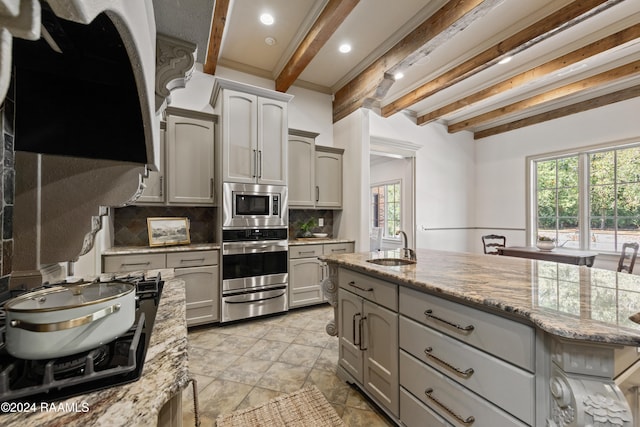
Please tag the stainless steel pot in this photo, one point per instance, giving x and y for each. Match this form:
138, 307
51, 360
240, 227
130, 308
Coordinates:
64, 320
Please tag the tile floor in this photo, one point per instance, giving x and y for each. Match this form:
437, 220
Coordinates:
242, 365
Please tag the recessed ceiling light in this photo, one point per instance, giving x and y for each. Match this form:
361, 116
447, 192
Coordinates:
267, 19
398, 76
505, 59
345, 48
270, 41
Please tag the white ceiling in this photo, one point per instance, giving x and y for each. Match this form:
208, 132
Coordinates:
374, 26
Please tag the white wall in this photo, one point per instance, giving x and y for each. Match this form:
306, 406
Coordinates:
500, 161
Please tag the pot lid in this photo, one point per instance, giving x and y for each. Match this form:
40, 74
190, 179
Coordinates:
70, 296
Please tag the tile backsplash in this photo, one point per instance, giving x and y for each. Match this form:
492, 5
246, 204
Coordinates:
300, 216
130, 223
7, 190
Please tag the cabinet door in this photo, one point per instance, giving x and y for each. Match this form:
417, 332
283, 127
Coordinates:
202, 293
301, 172
272, 142
349, 334
154, 182
380, 339
239, 136
328, 180
305, 275
190, 160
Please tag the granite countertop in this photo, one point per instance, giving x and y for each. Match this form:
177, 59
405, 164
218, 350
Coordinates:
128, 250
299, 241
165, 373
575, 302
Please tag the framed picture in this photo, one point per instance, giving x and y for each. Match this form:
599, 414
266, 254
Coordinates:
168, 231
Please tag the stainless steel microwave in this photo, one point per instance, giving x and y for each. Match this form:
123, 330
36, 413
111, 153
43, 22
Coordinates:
254, 205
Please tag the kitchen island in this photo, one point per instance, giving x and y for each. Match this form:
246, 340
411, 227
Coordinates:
151, 400
466, 339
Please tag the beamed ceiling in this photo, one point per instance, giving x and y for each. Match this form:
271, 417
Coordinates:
566, 56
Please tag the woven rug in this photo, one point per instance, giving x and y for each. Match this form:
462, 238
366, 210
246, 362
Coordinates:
303, 408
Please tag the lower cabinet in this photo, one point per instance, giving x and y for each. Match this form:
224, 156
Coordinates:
306, 271
198, 269
368, 345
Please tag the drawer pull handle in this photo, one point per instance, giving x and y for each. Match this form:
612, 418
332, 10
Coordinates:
468, 328
468, 421
338, 250
135, 263
464, 374
352, 283
306, 252
192, 260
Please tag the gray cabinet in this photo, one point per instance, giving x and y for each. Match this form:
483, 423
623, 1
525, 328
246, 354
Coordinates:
306, 271
187, 161
315, 173
198, 269
328, 177
302, 157
254, 133
368, 336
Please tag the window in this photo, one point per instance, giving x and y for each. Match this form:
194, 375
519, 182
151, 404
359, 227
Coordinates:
385, 208
589, 200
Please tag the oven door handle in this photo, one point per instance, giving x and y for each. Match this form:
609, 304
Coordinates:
246, 298
243, 248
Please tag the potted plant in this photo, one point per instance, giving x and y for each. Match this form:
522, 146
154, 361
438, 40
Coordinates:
306, 228
546, 243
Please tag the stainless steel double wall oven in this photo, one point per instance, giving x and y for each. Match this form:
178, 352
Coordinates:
254, 251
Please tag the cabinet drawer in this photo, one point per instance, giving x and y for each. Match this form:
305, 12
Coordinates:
504, 338
454, 359
446, 397
337, 248
414, 413
305, 251
378, 291
123, 263
192, 259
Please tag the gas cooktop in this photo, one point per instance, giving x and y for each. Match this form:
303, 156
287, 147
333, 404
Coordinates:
115, 363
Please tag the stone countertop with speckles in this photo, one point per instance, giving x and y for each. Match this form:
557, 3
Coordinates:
129, 250
165, 373
300, 241
568, 301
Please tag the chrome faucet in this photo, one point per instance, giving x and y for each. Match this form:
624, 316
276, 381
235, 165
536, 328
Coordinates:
406, 251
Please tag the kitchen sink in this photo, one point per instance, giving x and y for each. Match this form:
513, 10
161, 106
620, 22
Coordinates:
392, 262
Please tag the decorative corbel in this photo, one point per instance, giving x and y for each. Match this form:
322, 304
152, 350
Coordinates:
175, 60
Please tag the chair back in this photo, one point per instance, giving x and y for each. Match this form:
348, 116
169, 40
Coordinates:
375, 239
492, 241
632, 248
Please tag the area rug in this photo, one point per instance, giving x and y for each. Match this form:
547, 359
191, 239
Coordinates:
302, 408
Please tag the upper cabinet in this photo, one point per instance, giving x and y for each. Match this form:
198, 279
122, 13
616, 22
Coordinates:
302, 158
254, 132
186, 175
315, 173
328, 167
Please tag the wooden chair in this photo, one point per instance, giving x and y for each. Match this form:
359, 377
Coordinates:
631, 255
492, 241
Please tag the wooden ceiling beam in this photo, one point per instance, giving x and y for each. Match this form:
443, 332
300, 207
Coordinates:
552, 66
220, 11
333, 14
610, 98
432, 33
610, 76
564, 18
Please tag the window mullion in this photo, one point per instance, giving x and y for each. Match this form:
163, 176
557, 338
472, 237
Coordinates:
583, 197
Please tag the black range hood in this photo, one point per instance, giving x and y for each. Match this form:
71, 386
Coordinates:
75, 92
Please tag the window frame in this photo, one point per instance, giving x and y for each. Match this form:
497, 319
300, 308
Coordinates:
384, 228
582, 153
